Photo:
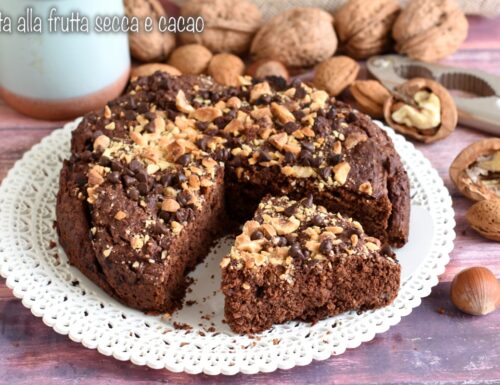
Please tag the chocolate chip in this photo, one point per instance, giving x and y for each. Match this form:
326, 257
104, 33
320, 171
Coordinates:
133, 193
181, 178
291, 127
129, 180
130, 115
290, 210
150, 127
166, 179
296, 252
326, 246
307, 146
289, 157
264, 156
351, 117
325, 172
334, 159
141, 176
116, 166
264, 99
143, 188
158, 227
202, 126
278, 83
203, 143
280, 241
308, 202
104, 161
182, 215
300, 92
331, 114
256, 235
113, 177
222, 154
305, 157
318, 220
316, 161
165, 215
184, 160
299, 115
135, 165
184, 198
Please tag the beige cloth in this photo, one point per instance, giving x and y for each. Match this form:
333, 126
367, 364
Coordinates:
272, 7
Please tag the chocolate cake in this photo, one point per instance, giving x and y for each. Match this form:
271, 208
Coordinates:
295, 260
156, 175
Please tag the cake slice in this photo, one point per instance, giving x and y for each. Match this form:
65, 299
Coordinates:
296, 260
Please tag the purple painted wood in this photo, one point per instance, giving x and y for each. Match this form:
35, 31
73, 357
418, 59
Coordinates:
436, 344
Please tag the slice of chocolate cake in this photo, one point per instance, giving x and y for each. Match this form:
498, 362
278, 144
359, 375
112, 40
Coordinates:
296, 260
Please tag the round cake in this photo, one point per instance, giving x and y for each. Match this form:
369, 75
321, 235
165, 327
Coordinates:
161, 172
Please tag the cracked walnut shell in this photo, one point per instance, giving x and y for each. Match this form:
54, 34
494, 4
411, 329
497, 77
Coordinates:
364, 27
427, 113
299, 37
476, 170
430, 30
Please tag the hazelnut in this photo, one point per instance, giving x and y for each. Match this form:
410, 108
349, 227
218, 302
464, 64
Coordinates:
264, 68
229, 25
335, 74
370, 97
150, 69
191, 59
226, 69
475, 291
427, 114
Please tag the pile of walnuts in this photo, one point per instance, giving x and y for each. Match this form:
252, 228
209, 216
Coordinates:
297, 39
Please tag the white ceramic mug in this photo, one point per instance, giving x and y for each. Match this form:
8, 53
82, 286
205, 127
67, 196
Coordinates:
62, 75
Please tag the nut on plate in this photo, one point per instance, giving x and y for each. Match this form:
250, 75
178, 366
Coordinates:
226, 69
148, 46
484, 217
229, 25
264, 68
335, 74
430, 30
191, 59
298, 37
370, 97
427, 113
151, 68
476, 170
475, 291
364, 27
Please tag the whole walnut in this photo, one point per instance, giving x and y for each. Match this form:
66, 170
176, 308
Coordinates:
364, 27
229, 25
299, 37
430, 30
190, 59
151, 46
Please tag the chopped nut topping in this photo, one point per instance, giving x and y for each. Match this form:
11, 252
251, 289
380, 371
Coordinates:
107, 112
101, 143
170, 205
341, 171
182, 104
120, 215
207, 114
259, 90
282, 113
366, 188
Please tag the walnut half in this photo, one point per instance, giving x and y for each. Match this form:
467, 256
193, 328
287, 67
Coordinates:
421, 109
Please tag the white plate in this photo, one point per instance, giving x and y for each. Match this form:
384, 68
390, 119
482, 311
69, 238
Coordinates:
68, 302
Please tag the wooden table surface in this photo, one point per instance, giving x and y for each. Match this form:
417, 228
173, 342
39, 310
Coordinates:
436, 344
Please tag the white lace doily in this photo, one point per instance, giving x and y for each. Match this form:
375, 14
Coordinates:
37, 271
